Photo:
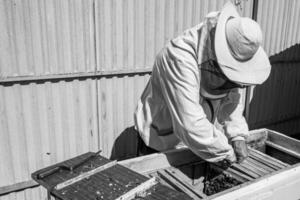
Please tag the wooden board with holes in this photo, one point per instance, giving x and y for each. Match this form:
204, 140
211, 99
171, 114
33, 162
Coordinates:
99, 178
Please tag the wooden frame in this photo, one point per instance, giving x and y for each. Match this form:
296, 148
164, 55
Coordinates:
277, 185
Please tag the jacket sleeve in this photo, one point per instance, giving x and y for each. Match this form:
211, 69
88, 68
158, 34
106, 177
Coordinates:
230, 115
180, 83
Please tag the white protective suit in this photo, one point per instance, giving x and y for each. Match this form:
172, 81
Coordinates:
174, 106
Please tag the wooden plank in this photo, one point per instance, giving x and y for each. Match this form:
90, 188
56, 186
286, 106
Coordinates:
178, 157
268, 158
280, 155
284, 141
139, 190
283, 149
257, 139
265, 162
261, 171
236, 174
240, 176
244, 170
276, 186
79, 75
252, 169
162, 181
18, 186
184, 180
260, 165
180, 176
85, 175
257, 135
177, 185
156, 161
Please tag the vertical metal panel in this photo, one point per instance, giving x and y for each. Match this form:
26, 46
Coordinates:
273, 16
293, 27
117, 101
129, 33
57, 37
43, 124
277, 99
41, 37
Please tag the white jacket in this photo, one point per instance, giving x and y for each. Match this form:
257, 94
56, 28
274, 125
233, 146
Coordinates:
174, 107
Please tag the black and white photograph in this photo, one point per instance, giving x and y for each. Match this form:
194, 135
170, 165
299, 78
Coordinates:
149, 99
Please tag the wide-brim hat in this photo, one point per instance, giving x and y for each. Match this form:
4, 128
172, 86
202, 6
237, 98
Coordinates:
252, 71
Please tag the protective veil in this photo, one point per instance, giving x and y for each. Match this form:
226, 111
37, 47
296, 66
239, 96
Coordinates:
175, 107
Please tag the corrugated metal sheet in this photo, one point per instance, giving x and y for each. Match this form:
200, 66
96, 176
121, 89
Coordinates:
117, 99
42, 123
130, 33
277, 99
272, 17
41, 37
58, 37
279, 21
45, 123
293, 28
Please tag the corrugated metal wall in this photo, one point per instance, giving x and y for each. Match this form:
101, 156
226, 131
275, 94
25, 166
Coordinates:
40, 37
46, 113
130, 32
276, 103
45, 121
117, 98
59, 37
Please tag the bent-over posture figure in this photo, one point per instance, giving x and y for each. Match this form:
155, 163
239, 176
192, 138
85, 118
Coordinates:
195, 94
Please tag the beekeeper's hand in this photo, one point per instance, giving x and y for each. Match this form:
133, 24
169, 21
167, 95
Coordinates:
240, 150
227, 162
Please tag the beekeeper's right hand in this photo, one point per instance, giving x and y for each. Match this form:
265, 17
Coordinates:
240, 150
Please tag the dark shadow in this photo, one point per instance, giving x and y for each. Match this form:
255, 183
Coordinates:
126, 145
129, 145
289, 55
296, 136
275, 102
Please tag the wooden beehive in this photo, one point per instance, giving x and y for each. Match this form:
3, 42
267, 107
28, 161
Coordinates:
272, 171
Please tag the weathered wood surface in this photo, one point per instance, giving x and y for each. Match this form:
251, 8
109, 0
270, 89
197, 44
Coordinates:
254, 170
284, 141
139, 190
176, 184
282, 184
283, 149
85, 175
178, 168
153, 162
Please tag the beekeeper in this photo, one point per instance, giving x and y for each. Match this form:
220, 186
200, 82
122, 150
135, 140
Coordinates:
195, 94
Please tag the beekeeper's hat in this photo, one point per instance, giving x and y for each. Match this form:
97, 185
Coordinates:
238, 48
